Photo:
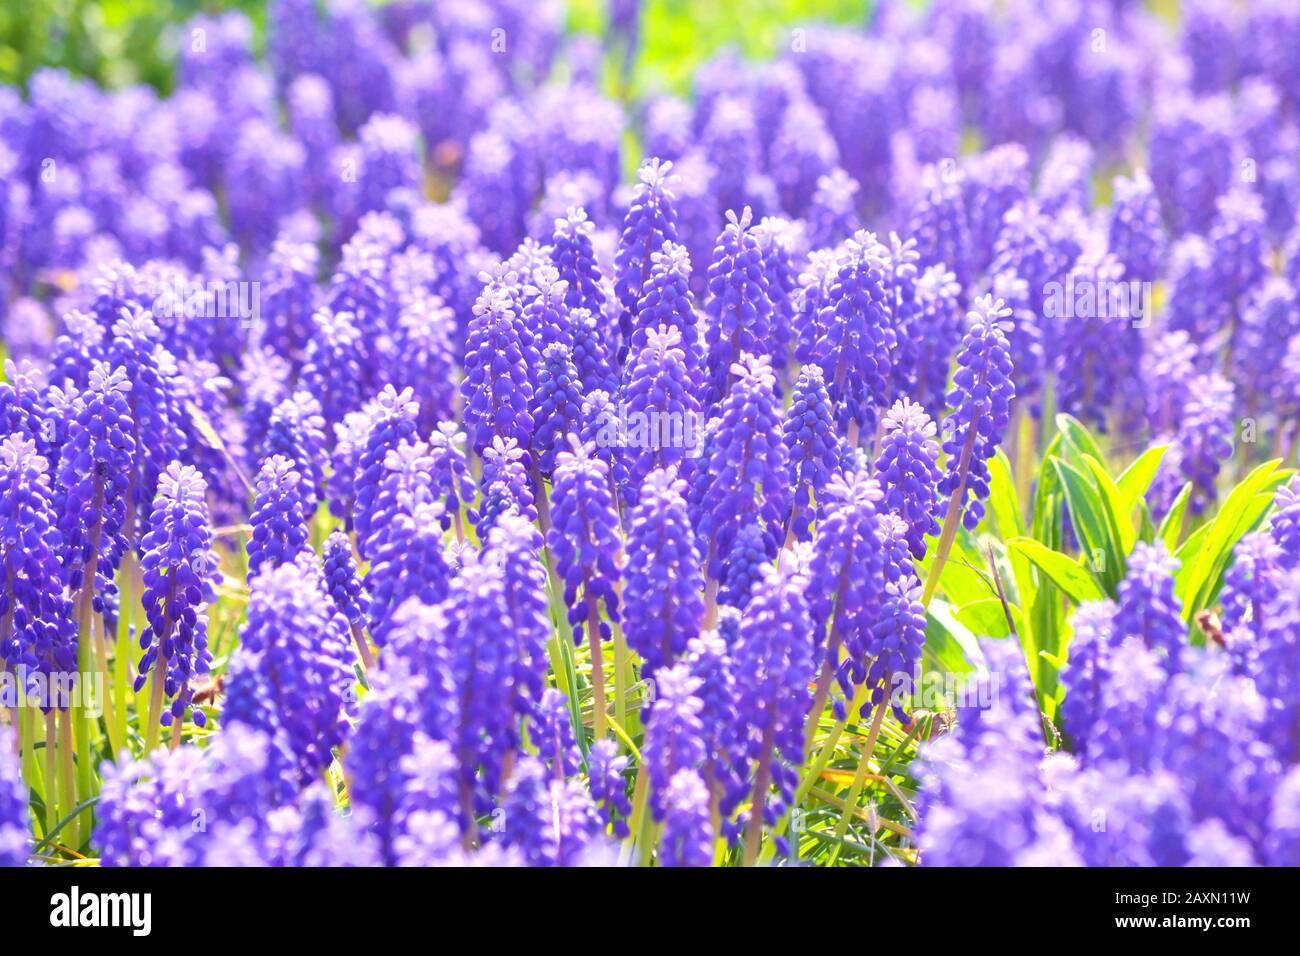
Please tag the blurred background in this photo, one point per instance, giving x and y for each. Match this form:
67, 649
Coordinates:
120, 42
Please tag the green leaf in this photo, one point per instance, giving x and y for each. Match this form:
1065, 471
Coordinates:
1119, 515
1137, 477
1242, 510
1003, 509
1091, 523
986, 618
1078, 441
949, 644
1171, 529
1064, 571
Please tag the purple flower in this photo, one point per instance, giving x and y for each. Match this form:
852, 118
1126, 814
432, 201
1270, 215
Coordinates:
551, 731
802, 153
179, 569
575, 258
980, 403
908, 472
651, 221
832, 214
996, 180
279, 516
938, 222
498, 389
1088, 670
740, 304
42, 635
1098, 344
557, 405
296, 432
585, 541
15, 824
389, 422
1284, 525
292, 673
1148, 609
662, 591
1137, 233
812, 447
774, 664
506, 464
666, 300
674, 732
856, 342
334, 356
95, 466
552, 823
661, 406
745, 478
406, 548
687, 839
1203, 442
608, 787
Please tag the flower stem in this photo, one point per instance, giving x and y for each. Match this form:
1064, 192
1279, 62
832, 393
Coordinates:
952, 520
600, 725
69, 786
859, 779
762, 780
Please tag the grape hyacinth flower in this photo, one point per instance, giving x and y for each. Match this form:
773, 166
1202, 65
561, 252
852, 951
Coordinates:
605, 769
291, 675
279, 518
663, 607
980, 403
497, 388
832, 211
557, 405
667, 301
179, 569
856, 342
739, 307
584, 538
346, 589
908, 471
391, 421
1137, 233
662, 409
687, 838
774, 666
15, 826
812, 447
745, 481
651, 221
1148, 609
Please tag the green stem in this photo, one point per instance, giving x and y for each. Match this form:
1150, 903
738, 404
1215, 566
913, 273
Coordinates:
69, 787
859, 780
53, 800
952, 520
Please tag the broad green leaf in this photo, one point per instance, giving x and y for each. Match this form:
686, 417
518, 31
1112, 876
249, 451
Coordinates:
1091, 524
987, 618
1119, 514
1241, 511
949, 644
1064, 571
1171, 529
1003, 508
1078, 441
1137, 477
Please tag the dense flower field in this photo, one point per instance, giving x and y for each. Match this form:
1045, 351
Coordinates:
423, 446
